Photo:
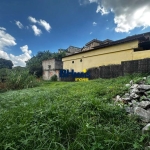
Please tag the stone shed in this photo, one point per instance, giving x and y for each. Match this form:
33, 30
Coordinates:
51, 67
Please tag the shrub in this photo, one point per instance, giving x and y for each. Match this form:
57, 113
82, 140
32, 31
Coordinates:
54, 78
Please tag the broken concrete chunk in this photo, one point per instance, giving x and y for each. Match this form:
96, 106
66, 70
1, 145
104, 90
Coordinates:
148, 110
134, 96
142, 113
126, 99
118, 99
129, 109
127, 95
134, 86
146, 129
144, 87
144, 104
135, 103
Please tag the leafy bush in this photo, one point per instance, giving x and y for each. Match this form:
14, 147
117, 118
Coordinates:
19, 79
54, 78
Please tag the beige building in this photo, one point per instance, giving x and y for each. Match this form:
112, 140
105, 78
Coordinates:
94, 43
109, 52
51, 67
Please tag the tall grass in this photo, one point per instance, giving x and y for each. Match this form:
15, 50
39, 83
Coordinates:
68, 116
17, 79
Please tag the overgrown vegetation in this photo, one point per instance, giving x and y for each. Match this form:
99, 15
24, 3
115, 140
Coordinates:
12, 79
68, 116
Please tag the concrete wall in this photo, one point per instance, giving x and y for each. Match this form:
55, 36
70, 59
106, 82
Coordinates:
48, 74
51, 67
104, 56
47, 63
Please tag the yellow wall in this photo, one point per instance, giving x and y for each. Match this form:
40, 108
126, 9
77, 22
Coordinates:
141, 54
104, 56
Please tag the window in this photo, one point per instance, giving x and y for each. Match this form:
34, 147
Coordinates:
49, 66
80, 60
72, 62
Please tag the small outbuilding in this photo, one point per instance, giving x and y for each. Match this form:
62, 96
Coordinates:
51, 67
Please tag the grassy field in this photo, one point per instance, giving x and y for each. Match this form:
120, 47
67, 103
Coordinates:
68, 116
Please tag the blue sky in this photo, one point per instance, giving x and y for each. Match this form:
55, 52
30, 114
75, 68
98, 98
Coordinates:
29, 26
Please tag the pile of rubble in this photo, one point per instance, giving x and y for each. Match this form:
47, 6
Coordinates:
137, 102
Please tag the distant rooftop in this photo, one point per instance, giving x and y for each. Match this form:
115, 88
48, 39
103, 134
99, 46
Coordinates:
144, 37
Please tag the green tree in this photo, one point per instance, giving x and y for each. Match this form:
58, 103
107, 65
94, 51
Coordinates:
35, 63
5, 63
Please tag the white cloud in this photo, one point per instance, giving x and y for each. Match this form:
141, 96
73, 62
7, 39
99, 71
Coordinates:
4, 55
92, 1
94, 23
2, 28
6, 40
107, 28
102, 10
37, 31
19, 24
41, 22
91, 32
128, 14
83, 2
33, 20
45, 25
20, 59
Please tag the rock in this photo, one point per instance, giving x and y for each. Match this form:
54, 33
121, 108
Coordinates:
148, 110
127, 85
126, 99
144, 104
131, 82
135, 103
127, 95
134, 90
129, 109
118, 99
134, 86
147, 148
134, 96
130, 104
144, 87
146, 129
142, 113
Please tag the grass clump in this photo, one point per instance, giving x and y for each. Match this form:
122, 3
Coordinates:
68, 116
